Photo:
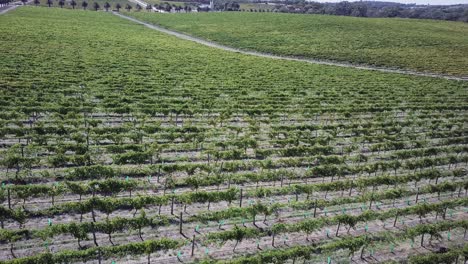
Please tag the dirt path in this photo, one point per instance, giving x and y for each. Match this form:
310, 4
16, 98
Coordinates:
13, 6
271, 56
5, 9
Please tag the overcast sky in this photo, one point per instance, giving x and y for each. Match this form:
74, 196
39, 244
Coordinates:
421, 2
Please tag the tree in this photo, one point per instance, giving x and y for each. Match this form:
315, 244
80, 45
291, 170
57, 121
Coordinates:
4, 215
277, 229
138, 7
96, 6
11, 237
79, 232
309, 226
128, 7
55, 191
149, 7
107, 6
110, 226
343, 9
390, 11
359, 10
84, 4
73, 3
255, 209
61, 3
118, 6
37, 2
347, 220
140, 222
239, 236
50, 3
24, 2
77, 188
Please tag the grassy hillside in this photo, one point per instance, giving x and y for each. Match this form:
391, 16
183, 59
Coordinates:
120, 143
422, 45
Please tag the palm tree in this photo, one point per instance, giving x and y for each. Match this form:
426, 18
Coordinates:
84, 5
73, 3
96, 6
118, 6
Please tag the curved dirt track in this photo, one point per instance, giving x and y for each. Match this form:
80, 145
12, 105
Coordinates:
8, 8
272, 56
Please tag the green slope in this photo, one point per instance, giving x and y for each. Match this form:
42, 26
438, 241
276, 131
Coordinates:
421, 45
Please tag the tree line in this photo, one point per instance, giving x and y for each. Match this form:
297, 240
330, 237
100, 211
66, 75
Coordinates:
359, 9
96, 6
376, 9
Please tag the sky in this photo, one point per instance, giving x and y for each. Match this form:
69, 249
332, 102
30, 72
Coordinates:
420, 2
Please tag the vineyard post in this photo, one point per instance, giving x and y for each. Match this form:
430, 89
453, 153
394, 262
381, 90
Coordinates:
273, 239
417, 196
240, 201
315, 208
172, 205
9, 198
159, 173
193, 245
180, 224
99, 255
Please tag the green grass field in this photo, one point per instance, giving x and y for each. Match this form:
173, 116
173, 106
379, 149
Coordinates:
421, 45
121, 143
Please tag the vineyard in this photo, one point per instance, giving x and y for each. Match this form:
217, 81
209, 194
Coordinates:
120, 144
421, 45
